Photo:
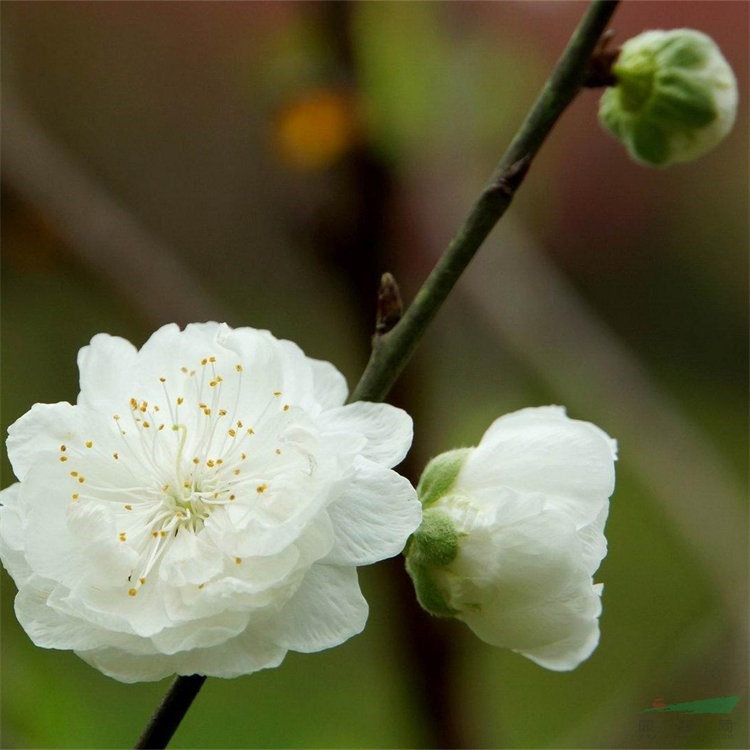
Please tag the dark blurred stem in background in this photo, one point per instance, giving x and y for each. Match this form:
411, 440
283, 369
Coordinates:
365, 245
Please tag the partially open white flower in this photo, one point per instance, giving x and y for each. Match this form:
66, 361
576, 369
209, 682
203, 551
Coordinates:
513, 532
203, 507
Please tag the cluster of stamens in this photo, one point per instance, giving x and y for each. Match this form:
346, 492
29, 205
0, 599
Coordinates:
180, 466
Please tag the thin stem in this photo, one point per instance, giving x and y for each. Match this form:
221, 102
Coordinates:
170, 713
392, 351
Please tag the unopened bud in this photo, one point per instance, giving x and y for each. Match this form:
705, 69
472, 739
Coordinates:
675, 97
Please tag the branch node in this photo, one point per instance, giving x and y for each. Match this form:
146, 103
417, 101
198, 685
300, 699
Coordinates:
511, 178
390, 308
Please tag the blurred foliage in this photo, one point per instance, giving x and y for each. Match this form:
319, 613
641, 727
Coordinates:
175, 108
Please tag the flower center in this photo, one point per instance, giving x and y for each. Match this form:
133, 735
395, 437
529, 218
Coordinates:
179, 459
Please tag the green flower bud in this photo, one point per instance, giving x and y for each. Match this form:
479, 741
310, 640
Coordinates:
675, 98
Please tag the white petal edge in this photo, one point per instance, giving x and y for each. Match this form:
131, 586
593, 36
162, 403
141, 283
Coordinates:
327, 610
374, 516
542, 450
105, 370
389, 430
41, 430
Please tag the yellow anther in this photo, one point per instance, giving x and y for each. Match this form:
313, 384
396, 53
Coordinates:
147, 425
232, 497
63, 448
161, 427
196, 460
222, 412
232, 433
237, 560
122, 536
219, 461
261, 488
250, 431
116, 456
239, 424
204, 361
243, 456
184, 369
278, 451
162, 533
132, 592
116, 417
63, 458
213, 383
162, 380
156, 407
201, 585
238, 368
207, 412
73, 473
141, 581
212, 359
75, 496
128, 507
155, 534
81, 480
277, 393
180, 399
210, 463
89, 444
133, 403
236, 472
286, 407
144, 406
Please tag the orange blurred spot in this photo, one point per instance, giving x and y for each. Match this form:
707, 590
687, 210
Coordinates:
317, 128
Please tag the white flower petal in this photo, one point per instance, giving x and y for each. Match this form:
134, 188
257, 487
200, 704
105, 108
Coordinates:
46, 626
103, 381
556, 633
41, 431
541, 450
243, 654
389, 431
374, 516
327, 610
12, 540
329, 384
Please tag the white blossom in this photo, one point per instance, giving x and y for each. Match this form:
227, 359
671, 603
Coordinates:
513, 532
203, 506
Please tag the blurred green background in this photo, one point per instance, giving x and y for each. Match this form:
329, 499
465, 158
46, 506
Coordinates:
262, 163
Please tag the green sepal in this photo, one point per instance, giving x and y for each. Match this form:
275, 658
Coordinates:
433, 546
682, 101
439, 475
435, 542
428, 592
